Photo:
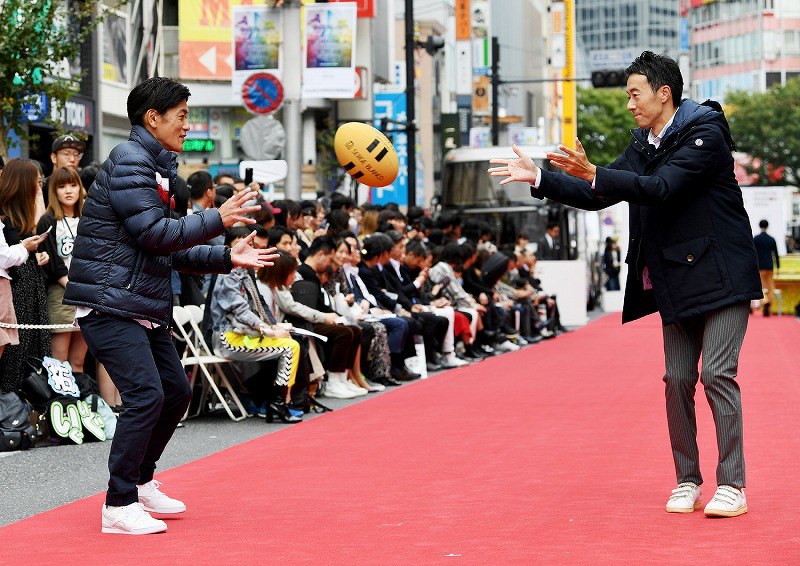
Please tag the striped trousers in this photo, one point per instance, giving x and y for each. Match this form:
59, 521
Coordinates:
718, 336
233, 346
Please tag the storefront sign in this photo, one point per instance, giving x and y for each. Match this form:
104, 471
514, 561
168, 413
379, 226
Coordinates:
366, 8
77, 115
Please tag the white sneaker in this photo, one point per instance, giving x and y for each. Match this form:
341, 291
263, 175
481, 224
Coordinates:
155, 501
450, 361
130, 520
507, 346
376, 386
337, 389
360, 391
685, 498
727, 502
546, 333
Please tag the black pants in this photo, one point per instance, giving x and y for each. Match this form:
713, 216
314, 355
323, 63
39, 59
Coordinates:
155, 391
433, 329
342, 345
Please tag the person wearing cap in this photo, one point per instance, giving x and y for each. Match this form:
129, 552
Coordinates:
67, 152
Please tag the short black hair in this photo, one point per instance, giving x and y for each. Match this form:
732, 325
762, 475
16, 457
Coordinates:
275, 233
338, 221
218, 178
199, 183
288, 208
763, 224
338, 200
417, 247
324, 244
660, 71
376, 244
452, 253
260, 231
158, 93
551, 225
394, 235
414, 213
235, 232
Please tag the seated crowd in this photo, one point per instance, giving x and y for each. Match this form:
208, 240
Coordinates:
355, 293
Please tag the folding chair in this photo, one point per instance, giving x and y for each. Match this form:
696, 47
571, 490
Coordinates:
199, 357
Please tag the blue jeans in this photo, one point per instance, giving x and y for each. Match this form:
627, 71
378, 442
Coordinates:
396, 330
152, 383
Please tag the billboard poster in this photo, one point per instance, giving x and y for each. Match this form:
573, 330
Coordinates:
329, 62
115, 48
204, 38
392, 105
256, 44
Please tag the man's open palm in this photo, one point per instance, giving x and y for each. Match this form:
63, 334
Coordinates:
521, 170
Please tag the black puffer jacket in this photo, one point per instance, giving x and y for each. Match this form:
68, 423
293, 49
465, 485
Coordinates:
127, 244
688, 224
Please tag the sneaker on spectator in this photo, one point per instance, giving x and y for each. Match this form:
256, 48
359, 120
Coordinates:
507, 346
433, 366
450, 361
685, 498
262, 411
336, 389
727, 502
355, 388
375, 387
545, 333
130, 520
155, 501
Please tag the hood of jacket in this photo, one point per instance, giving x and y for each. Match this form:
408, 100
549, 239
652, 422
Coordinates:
690, 114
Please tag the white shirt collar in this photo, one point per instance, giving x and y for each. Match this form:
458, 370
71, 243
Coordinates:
655, 140
396, 265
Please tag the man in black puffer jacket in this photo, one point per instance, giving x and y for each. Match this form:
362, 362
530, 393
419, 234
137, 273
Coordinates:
691, 258
126, 246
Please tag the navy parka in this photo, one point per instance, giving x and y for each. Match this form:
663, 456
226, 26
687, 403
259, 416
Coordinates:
688, 224
127, 244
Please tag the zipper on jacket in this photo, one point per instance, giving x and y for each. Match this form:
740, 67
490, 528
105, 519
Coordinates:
136, 269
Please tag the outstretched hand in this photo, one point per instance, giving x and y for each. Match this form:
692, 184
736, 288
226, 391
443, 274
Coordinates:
243, 254
574, 162
523, 170
234, 210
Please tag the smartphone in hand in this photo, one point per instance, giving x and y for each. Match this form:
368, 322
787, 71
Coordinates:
248, 176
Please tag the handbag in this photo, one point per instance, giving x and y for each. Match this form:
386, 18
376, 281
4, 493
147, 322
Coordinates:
34, 386
16, 431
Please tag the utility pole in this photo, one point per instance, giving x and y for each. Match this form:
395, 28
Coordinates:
495, 91
292, 113
411, 128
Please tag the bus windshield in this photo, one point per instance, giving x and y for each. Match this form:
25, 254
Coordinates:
466, 183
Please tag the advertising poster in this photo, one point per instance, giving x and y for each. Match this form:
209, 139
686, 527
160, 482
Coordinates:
204, 38
329, 63
256, 44
115, 48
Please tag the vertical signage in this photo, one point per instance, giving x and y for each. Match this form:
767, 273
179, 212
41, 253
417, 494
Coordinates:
569, 128
463, 26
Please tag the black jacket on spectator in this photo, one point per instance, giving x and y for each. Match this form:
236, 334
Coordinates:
54, 269
766, 246
688, 224
127, 244
402, 287
375, 283
308, 290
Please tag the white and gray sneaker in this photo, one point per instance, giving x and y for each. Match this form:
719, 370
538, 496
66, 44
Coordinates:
685, 498
130, 520
450, 361
155, 501
727, 502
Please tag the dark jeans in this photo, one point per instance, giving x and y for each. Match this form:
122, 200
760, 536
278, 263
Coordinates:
155, 391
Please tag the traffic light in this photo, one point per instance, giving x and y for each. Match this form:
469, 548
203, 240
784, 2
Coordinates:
608, 78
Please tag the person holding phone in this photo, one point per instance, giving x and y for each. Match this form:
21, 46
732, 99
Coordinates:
20, 269
60, 223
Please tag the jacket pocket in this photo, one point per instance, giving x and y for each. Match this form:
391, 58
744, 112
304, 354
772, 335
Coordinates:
137, 268
691, 268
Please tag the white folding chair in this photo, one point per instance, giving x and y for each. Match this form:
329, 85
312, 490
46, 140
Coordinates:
199, 357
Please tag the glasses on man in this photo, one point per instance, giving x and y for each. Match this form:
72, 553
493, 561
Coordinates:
71, 153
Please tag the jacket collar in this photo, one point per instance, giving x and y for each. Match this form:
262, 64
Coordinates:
143, 137
308, 273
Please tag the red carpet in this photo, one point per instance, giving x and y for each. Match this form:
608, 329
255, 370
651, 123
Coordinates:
555, 454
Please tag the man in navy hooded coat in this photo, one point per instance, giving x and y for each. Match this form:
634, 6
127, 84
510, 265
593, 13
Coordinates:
690, 257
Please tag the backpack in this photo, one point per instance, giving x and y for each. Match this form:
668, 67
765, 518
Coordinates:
16, 430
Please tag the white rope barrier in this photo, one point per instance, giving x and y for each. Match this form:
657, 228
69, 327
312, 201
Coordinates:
36, 326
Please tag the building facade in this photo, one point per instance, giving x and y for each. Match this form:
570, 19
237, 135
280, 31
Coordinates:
749, 45
627, 24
